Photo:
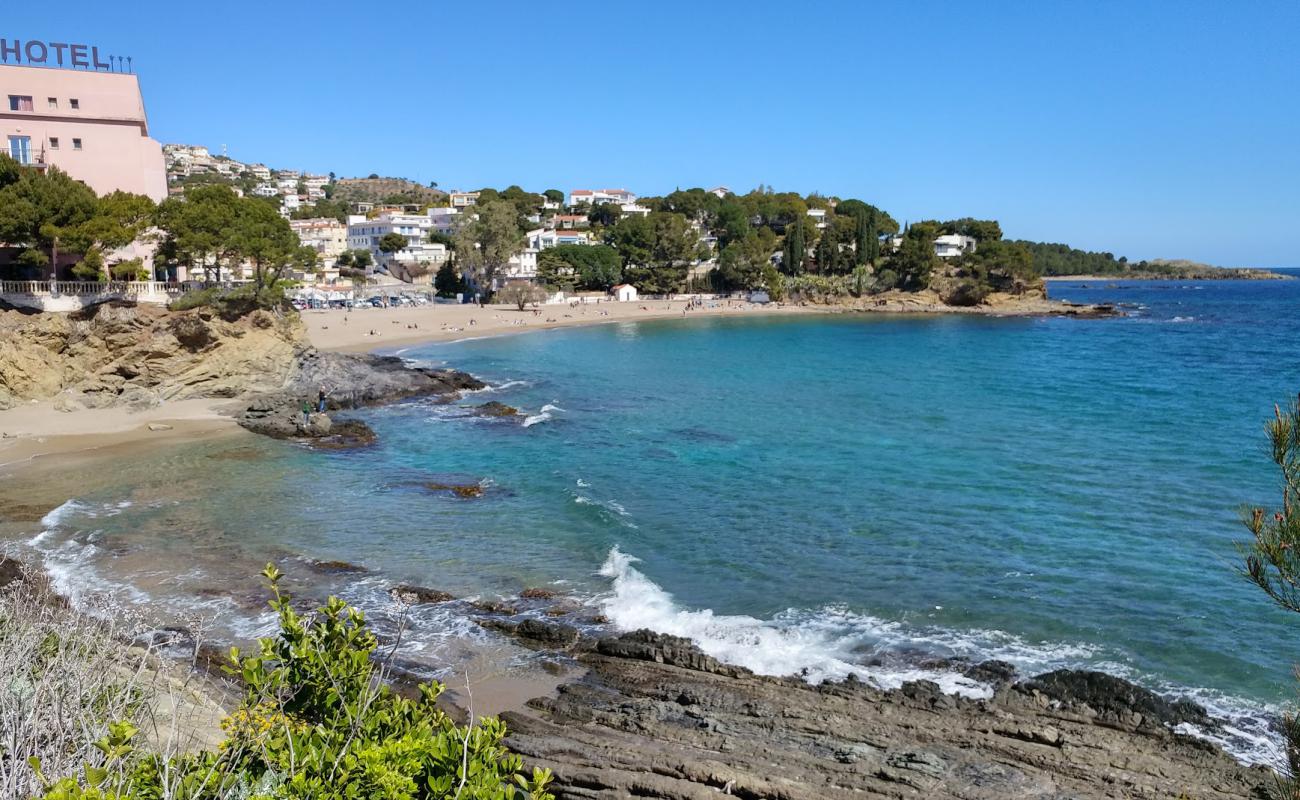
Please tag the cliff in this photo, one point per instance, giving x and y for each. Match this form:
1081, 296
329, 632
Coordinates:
139, 356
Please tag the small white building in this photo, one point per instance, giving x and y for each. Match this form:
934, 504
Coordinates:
720, 191
634, 210
624, 293
951, 245
463, 199
819, 215
544, 238
444, 220
593, 196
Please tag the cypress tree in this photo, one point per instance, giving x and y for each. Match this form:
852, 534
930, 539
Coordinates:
795, 248
861, 238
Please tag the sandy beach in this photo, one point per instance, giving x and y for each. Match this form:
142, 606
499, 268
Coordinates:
374, 328
38, 430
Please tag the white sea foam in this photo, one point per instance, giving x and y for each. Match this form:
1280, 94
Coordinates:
62, 512
831, 644
541, 416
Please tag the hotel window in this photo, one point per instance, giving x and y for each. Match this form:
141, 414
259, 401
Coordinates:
20, 149
74, 103
76, 144
20, 102
54, 143
54, 102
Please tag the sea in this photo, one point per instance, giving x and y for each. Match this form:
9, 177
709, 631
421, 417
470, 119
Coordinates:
810, 495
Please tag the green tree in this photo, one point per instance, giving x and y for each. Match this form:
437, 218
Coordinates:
554, 195
1002, 266
981, 230
448, 282
489, 241
264, 238
732, 221
796, 250
391, 243
120, 218
554, 270
41, 209
657, 250
741, 264
605, 214
593, 266
915, 261
198, 229
1272, 556
322, 209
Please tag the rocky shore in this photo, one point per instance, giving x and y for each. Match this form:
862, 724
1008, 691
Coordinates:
652, 716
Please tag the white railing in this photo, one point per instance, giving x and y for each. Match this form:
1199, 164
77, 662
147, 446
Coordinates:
93, 288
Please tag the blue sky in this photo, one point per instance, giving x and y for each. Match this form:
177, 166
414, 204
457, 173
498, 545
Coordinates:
1146, 129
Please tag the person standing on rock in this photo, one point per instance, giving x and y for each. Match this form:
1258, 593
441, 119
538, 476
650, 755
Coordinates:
320, 399
306, 413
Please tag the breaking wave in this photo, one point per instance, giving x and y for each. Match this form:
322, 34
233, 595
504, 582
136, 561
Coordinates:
833, 642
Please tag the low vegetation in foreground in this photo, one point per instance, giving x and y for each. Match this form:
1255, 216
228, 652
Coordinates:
317, 720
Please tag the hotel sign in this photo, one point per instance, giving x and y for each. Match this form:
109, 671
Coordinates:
53, 54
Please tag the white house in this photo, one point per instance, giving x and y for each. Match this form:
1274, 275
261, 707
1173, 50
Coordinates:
520, 267
463, 199
544, 238
819, 215
594, 196
624, 293
265, 190
951, 245
260, 171
365, 234
444, 220
634, 210
720, 191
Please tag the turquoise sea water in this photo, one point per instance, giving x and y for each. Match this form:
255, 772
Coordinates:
821, 495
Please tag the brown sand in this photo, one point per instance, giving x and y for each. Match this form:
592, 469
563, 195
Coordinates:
374, 328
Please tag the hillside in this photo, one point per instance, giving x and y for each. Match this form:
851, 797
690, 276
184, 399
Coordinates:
384, 190
1061, 260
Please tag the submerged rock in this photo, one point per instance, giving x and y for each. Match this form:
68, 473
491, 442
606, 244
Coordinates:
416, 595
464, 490
495, 409
1116, 698
536, 634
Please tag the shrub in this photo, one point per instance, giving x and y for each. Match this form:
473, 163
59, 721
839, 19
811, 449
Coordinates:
233, 303
317, 722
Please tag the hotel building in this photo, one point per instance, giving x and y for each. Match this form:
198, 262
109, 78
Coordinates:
90, 124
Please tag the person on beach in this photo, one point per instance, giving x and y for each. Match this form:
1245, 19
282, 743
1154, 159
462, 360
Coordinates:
306, 413
320, 400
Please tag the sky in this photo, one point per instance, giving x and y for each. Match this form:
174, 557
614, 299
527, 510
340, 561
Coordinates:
1146, 129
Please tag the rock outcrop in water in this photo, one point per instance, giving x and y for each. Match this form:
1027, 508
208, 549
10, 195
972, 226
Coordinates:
654, 717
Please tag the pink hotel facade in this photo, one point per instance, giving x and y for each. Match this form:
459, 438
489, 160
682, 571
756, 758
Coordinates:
90, 124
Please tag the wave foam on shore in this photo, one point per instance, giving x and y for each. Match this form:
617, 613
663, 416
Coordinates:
832, 643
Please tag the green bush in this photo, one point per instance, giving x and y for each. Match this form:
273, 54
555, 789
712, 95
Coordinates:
317, 722
233, 303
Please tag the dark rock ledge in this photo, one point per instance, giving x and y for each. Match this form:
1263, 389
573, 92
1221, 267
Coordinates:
653, 716
351, 381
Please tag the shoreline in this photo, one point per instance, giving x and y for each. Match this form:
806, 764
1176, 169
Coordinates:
385, 329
